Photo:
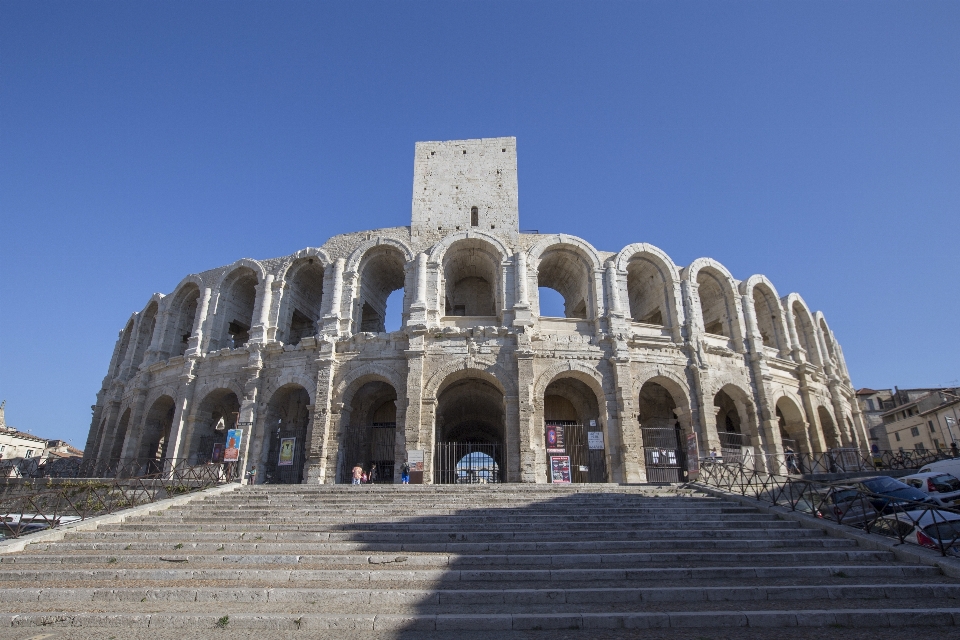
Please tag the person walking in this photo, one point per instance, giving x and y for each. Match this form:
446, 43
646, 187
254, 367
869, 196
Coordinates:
405, 473
357, 473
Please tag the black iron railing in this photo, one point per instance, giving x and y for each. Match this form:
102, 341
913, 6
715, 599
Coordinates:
38, 504
846, 460
923, 523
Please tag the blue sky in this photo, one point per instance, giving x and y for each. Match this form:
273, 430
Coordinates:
816, 143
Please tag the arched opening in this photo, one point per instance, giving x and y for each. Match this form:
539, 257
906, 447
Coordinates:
565, 271
382, 271
828, 427
471, 278
801, 320
235, 308
470, 427
370, 433
119, 437
571, 414
183, 315
221, 404
733, 425
663, 438
714, 304
647, 292
156, 435
300, 304
767, 312
124, 346
285, 433
793, 431
148, 322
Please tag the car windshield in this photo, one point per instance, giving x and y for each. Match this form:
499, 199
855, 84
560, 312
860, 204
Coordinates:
947, 532
881, 484
844, 495
945, 483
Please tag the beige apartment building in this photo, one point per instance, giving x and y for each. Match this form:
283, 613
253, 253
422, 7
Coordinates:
927, 421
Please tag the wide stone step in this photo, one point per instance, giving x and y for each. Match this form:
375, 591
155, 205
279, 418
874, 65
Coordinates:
356, 577
623, 560
907, 618
300, 546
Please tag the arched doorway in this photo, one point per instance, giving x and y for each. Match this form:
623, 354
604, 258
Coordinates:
207, 429
828, 428
733, 441
470, 426
663, 445
156, 435
370, 434
571, 412
285, 435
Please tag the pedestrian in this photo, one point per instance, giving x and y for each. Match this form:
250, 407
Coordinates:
954, 450
357, 473
791, 457
373, 476
713, 454
405, 473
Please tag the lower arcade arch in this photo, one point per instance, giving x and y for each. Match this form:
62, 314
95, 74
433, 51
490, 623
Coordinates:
571, 413
155, 441
828, 428
793, 428
284, 439
470, 429
220, 404
736, 425
369, 434
663, 437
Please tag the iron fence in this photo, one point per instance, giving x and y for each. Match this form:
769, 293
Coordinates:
45, 503
468, 463
924, 523
844, 460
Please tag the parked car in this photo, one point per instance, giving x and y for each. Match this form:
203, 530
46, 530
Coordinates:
929, 528
889, 494
942, 488
951, 466
845, 504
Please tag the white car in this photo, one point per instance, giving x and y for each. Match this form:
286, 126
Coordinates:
943, 488
928, 528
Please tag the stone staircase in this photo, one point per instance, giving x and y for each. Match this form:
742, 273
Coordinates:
507, 557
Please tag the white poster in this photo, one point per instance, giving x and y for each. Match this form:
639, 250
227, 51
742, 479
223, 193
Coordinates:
415, 459
595, 440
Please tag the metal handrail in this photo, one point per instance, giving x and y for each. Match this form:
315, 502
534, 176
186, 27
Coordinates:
45, 504
842, 460
864, 510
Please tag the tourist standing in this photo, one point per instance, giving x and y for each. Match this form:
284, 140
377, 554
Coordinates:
405, 473
357, 473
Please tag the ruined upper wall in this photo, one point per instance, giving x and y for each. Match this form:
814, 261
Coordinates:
450, 178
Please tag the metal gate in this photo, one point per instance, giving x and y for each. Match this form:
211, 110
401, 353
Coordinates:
586, 465
731, 446
372, 447
663, 454
291, 471
468, 463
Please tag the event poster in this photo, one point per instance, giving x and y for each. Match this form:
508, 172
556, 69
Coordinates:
555, 442
287, 446
560, 469
232, 451
415, 459
217, 456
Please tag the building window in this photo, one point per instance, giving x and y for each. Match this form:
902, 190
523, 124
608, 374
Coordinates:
474, 217
915, 431
897, 435
29, 454
932, 429
870, 404
936, 444
919, 447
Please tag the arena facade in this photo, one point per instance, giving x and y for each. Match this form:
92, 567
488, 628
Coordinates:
293, 350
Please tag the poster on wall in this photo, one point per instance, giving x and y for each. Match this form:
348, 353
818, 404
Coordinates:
693, 454
415, 459
217, 456
232, 451
555, 442
287, 446
560, 469
595, 440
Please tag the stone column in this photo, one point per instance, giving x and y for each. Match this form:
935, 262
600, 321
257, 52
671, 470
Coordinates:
415, 427
512, 473
194, 346
156, 341
332, 320
533, 460
522, 316
248, 408
629, 444
319, 435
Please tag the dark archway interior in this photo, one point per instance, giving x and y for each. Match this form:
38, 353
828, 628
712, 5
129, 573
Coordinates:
656, 407
564, 271
470, 273
571, 404
221, 403
828, 427
470, 410
728, 418
646, 290
236, 305
286, 421
156, 433
302, 300
369, 437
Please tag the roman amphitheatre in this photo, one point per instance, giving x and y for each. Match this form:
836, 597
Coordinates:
647, 354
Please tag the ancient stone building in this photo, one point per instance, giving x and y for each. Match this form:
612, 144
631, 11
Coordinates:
647, 352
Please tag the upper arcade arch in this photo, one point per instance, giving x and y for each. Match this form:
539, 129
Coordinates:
146, 325
237, 296
768, 313
717, 299
571, 267
472, 278
181, 315
651, 285
381, 271
301, 300
798, 314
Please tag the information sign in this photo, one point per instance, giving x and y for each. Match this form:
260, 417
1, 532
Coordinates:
560, 469
415, 459
595, 440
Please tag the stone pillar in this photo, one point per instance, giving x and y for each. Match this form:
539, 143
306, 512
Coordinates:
258, 334
533, 460
415, 428
248, 409
273, 317
332, 320
612, 289
629, 439
156, 341
511, 443
319, 434
194, 346
522, 316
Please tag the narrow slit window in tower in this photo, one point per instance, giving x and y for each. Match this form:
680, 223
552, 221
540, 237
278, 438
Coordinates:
474, 217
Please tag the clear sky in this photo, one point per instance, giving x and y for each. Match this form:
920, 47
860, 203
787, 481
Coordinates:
817, 143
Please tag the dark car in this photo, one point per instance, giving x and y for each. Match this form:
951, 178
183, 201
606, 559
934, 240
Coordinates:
889, 494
